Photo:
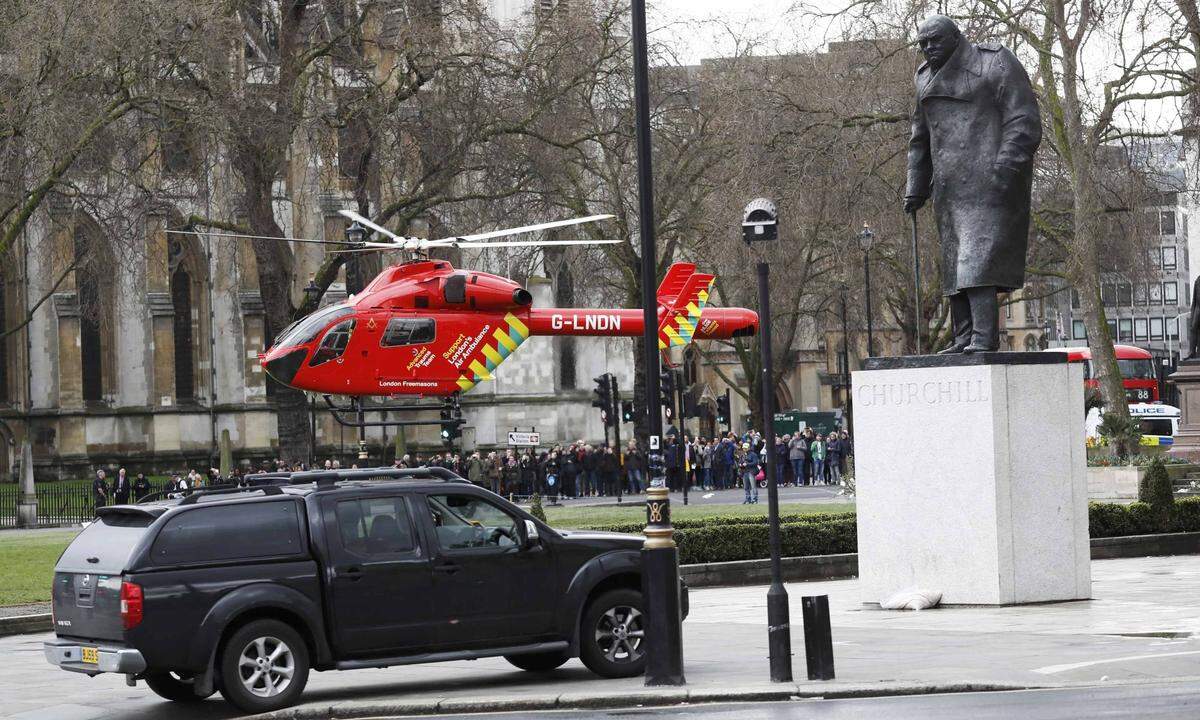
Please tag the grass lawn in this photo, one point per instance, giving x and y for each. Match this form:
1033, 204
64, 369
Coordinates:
27, 564
635, 512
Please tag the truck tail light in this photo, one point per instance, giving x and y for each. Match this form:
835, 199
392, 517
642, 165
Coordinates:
131, 604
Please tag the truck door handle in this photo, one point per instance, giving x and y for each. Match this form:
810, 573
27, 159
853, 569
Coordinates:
447, 568
352, 573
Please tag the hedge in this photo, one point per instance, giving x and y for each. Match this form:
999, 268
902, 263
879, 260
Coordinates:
723, 539
1109, 520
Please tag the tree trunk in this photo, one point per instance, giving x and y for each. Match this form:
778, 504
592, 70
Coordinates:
1086, 279
275, 269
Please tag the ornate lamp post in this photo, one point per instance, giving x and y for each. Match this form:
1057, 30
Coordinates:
866, 239
356, 233
660, 557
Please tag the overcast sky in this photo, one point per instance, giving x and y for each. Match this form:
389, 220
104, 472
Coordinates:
763, 19
779, 28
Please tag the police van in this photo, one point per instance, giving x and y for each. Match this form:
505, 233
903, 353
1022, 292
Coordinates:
1159, 422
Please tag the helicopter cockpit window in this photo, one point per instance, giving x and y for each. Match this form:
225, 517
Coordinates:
334, 343
407, 331
305, 329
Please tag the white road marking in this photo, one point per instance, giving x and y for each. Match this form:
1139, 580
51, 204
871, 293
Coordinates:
1052, 669
707, 495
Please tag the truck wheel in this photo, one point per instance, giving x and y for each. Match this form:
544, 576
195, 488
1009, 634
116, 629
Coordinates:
613, 634
172, 686
264, 666
539, 662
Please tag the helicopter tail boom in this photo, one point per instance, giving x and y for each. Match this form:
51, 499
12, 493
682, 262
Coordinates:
714, 323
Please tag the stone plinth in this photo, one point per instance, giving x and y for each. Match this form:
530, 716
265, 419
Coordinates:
971, 476
1187, 440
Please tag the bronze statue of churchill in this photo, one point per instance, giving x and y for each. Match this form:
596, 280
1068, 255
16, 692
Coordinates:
974, 133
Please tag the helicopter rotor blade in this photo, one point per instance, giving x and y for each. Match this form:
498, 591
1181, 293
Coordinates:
454, 241
263, 237
377, 228
527, 243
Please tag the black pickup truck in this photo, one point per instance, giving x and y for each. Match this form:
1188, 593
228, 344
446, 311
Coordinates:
245, 590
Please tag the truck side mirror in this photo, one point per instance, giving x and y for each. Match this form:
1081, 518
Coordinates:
532, 539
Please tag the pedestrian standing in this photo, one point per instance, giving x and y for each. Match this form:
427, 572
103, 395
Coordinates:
528, 473
833, 458
635, 467
748, 465
552, 473
588, 460
608, 466
798, 456
141, 487
781, 461
121, 487
99, 491
509, 473
475, 469
818, 458
706, 456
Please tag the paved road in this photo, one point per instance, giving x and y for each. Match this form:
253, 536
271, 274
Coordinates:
819, 494
1139, 702
1142, 626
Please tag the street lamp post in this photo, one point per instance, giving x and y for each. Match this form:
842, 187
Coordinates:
660, 556
760, 222
355, 233
312, 292
866, 239
846, 367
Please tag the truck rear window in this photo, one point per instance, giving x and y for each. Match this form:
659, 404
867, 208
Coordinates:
229, 532
105, 545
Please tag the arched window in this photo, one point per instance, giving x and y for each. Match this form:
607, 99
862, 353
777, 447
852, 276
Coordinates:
5, 395
181, 299
185, 268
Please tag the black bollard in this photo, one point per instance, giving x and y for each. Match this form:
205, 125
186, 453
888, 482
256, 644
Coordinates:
818, 641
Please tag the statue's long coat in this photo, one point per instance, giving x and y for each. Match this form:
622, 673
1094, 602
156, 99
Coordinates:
976, 122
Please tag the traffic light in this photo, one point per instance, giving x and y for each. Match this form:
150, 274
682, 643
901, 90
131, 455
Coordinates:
723, 409
451, 421
603, 393
666, 386
627, 411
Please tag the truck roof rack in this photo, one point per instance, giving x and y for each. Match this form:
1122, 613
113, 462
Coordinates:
327, 478
195, 496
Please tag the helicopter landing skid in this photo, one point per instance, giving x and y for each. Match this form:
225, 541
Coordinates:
359, 411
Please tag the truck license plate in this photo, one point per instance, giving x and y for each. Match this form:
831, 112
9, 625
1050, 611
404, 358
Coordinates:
89, 655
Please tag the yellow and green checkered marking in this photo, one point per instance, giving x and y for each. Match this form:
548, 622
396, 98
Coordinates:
681, 327
504, 341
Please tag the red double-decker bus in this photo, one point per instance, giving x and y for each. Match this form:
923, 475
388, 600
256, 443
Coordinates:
1137, 370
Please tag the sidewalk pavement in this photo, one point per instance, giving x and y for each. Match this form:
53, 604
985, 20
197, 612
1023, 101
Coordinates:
1140, 627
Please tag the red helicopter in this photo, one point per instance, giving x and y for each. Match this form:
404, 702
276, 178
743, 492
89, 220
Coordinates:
425, 328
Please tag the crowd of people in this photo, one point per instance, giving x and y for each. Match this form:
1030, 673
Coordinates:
804, 458
579, 470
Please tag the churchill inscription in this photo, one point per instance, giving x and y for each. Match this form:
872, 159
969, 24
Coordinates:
931, 392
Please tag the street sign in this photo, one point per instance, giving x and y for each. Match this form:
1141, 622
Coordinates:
790, 421
524, 439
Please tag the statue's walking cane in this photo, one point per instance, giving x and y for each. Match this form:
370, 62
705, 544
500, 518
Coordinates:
916, 281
